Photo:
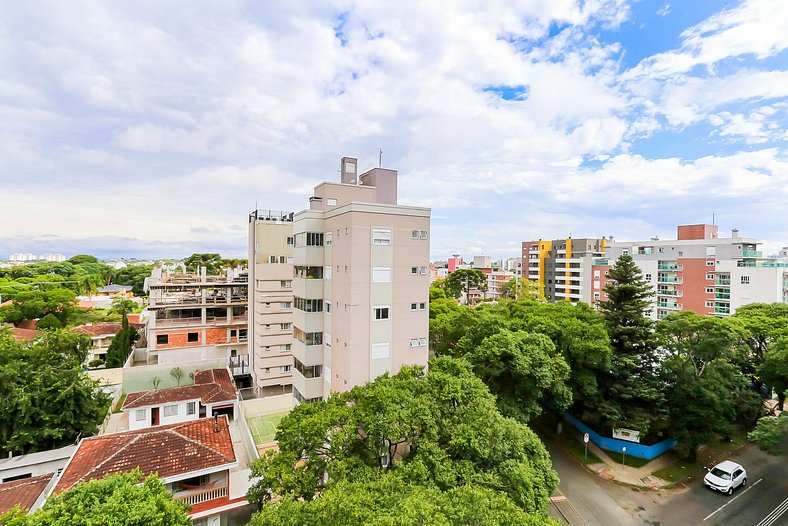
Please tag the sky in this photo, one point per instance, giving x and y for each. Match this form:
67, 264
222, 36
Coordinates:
153, 129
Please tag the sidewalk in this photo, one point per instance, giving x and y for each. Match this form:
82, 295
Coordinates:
642, 476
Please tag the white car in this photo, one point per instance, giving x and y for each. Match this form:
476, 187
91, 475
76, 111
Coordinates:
725, 477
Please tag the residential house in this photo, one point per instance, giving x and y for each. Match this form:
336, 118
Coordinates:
212, 393
101, 336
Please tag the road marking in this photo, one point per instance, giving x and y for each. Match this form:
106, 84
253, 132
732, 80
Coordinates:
775, 514
710, 515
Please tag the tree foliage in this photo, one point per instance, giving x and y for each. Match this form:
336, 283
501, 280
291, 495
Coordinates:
388, 501
128, 499
522, 288
630, 394
48, 401
774, 369
122, 345
461, 281
134, 277
211, 262
440, 430
765, 324
771, 434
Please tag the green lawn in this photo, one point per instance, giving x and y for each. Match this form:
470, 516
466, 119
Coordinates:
263, 428
713, 452
627, 460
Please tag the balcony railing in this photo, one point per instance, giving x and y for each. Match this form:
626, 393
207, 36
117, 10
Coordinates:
722, 310
722, 296
669, 279
752, 253
669, 306
674, 293
196, 300
210, 320
767, 264
201, 495
673, 267
723, 282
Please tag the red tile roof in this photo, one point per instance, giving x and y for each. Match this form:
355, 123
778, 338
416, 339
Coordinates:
101, 329
23, 492
210, 387
25, 335
169, 450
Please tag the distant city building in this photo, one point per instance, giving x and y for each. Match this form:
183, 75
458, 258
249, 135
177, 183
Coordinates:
24, 257
56, 258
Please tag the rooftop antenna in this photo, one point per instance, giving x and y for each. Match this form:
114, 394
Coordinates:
380, 159
712, 219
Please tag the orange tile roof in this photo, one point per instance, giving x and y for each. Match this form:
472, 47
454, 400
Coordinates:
101, 329
168, 450
210, 387
25, 335
23, 492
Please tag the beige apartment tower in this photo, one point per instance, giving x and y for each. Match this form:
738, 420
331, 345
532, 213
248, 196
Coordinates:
360, 285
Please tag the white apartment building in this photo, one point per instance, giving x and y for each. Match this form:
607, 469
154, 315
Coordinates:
359, 286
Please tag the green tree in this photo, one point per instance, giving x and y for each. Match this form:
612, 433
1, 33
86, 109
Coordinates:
48, 400
388, 500
34, 304
774, 370
630, 394
462, 281
177, 373
123, 306
440, 430
706, 392
211, 262
770, 434
82, 259
765, 323
122, 345
134, 276
522, 288
49, 322
128, 499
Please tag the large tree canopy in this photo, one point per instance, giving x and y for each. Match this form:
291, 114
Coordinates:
47, 399
461, 281
119, 500
440, 430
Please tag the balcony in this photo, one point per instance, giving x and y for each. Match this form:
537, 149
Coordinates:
722, 296
601, 262
669, 306
669, 279
673, 293
672, 267
752, 253
201, 494
722, 310
724, 282
759, 264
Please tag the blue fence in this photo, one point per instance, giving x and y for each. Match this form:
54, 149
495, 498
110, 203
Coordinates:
614, 444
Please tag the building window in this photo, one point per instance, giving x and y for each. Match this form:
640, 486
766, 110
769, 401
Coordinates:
625, 252
381, 274
286, 305
413, 306
289, 240
381, 236
380, 313
596, 295
285, 348
192, 337
272, 259
286, 284
648, 277
286, 368
307, 371
140, 415
328, 306
328, 238
242, 335
314, 239
308, 305
414, 342
162, 339
423, 271
308, 272
331, 202
414, 234
709, 290
191, 408
422, 341
596, 274
422, 306
171, 410
745, 280
661, 249
285, 326
710, 304
423, 234
327, 272
414, 270
308, 338
380, 350
710, 277
709, 262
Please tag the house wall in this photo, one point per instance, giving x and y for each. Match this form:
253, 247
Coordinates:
163, 420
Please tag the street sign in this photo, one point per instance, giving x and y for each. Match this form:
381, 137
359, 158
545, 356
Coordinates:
585, 438
624, 449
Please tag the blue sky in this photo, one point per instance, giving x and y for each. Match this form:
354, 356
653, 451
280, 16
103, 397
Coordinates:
144, 129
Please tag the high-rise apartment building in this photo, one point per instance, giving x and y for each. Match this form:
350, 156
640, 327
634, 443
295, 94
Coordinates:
563, 267
358, 281
701, 272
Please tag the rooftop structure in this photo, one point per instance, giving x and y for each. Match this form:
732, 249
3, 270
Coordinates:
27, 493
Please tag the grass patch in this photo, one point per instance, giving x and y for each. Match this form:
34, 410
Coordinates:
709, 455
628, 460
572, 441
120, 403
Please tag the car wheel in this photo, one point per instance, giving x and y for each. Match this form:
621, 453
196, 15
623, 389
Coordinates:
730, 490
744, 482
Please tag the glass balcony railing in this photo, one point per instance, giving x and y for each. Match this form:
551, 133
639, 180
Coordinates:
767, 264
752, 253
721, 296
722, 310
674, 293
669, 279
668, 266
724, 282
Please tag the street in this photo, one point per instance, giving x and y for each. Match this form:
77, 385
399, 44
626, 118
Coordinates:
603, 503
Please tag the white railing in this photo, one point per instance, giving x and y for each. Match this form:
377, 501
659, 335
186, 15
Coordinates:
198, 496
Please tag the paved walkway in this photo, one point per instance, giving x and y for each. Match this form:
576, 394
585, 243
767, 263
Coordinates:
642, 476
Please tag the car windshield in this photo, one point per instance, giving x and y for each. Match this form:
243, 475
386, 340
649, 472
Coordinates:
724, 475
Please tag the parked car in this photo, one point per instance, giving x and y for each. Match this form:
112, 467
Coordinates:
725, 477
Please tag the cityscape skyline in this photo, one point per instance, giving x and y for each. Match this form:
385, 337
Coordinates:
130, 132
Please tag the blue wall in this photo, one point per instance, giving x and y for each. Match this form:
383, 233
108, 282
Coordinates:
614, 444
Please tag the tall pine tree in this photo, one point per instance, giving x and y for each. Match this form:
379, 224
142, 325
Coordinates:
630, 393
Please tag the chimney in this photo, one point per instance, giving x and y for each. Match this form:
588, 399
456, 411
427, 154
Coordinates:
215, 422
735, 233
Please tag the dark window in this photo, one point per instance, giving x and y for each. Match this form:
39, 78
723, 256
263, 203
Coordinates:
193, 337
162, 339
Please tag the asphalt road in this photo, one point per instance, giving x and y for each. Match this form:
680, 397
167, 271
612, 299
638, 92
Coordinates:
604, 503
